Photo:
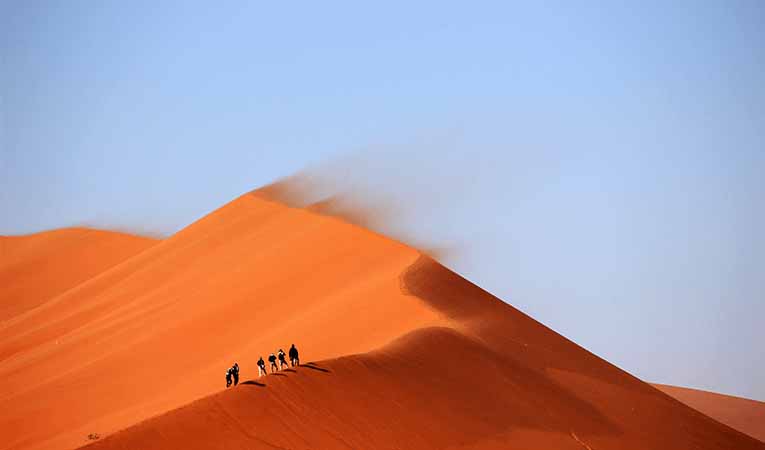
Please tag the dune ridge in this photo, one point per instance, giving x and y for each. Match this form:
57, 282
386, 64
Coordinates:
408, 354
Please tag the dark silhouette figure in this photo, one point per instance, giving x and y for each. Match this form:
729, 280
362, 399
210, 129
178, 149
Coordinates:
272, 360
229, 374
261, 367
282, 359
235, 373
293, 352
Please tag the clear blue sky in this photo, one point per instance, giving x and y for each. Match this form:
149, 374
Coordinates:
599, 165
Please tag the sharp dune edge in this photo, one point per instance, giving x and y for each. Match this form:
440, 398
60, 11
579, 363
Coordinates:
407, 353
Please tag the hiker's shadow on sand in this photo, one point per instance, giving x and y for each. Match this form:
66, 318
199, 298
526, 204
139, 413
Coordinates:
310, 365
314, 366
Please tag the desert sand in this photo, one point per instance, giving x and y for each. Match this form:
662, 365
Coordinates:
36, 268
406, 353
743, 414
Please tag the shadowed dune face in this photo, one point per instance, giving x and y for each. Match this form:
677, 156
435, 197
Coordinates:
411, 355
36, 268
502, 327
747, 416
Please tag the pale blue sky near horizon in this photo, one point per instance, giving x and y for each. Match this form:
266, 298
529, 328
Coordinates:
600, 165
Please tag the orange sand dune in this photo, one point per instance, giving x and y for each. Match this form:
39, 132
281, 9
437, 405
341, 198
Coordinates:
747, 416
158, 330
412, 355
492, 378
37, 267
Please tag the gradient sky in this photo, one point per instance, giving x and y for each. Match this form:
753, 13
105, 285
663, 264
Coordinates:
601, 166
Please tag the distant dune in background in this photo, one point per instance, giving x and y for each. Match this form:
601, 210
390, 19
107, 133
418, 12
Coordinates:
745, 415
406, 353
37, 267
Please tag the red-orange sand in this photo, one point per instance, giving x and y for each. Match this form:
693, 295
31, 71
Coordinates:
742, 414
408, 354
36, 268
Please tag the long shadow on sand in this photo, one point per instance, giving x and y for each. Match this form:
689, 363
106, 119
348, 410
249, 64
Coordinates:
314, 366
253, 383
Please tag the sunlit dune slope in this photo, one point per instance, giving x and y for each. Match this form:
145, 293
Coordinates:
37, 267
747, 416
159, 330
489, 378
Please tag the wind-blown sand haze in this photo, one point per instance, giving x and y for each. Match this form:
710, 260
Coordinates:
406, 354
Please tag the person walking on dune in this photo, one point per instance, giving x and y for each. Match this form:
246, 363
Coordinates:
293, 352
235, 373
272, 360
282, 359
229, 375
261, 367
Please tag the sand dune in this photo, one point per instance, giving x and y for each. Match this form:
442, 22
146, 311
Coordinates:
747, 416
410, 355
158, 330
492, 379
36, 268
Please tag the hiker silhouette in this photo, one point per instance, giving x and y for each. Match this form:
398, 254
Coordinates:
282, 359
294, 356
229, 375
261, 367
272, 360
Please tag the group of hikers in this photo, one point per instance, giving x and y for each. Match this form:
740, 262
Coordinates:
232, 374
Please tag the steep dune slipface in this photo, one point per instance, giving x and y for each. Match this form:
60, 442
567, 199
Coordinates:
160, 329
37, 267
747, 416
492, 379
